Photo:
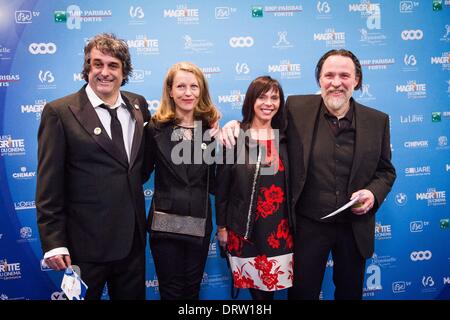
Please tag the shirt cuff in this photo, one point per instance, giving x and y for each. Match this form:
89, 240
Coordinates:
56, 251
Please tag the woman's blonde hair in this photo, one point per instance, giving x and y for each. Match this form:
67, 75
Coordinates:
204, 110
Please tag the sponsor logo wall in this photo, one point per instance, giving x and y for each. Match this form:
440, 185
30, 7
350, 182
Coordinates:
403, 49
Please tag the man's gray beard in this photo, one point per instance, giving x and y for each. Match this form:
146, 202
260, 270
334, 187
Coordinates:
334, 103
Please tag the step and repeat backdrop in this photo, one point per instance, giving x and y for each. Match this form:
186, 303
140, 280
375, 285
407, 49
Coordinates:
403, 46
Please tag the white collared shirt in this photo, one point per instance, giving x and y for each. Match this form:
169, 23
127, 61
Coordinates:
126, 121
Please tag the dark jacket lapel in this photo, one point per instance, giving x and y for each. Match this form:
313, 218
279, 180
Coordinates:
89, 120
165, 144
197, 168
309, 114
304, 115
362, 139
133, 106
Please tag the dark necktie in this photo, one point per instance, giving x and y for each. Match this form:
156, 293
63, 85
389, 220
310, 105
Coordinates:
116, 129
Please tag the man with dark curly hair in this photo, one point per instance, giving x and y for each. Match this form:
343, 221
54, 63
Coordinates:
89, 197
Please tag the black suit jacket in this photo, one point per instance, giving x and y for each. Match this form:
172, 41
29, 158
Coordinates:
371, 169
88, 197
235, 186
179, 188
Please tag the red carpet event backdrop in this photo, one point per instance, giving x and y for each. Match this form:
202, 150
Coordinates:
404, 49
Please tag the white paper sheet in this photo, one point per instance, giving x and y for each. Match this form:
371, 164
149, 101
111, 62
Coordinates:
345, 206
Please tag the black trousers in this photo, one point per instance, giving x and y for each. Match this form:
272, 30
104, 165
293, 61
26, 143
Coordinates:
262, 295
179, 266
125, 278
312, 245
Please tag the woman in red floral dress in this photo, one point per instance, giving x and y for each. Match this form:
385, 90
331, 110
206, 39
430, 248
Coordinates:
252, 198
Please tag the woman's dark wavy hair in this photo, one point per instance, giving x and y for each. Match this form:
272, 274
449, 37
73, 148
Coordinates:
258, 87
108, 43
343, 53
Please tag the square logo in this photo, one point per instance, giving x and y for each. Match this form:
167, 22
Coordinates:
436, 117
257, 12
60, 16
444, 223
437, 5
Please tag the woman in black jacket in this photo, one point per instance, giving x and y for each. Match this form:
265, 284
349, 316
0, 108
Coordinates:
252, 198
179, 149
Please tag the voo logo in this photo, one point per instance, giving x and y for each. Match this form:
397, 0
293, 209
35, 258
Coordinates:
412, 34
241, 42
420, 255
42, 48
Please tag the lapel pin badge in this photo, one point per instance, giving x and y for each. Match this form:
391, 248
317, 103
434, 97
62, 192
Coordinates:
204, 146
97, 131
136, 107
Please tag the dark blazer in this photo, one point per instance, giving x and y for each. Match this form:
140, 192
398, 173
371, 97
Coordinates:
88, 198
235, 186
179, 188
372, 168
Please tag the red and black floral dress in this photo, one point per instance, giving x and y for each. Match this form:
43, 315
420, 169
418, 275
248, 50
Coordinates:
265, 261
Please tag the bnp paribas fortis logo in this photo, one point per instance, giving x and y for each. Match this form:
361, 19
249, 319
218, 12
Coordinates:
437, 5
60, 16
257, 12
444, 223
436, 117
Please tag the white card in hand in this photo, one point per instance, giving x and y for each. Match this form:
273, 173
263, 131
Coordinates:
345, 206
